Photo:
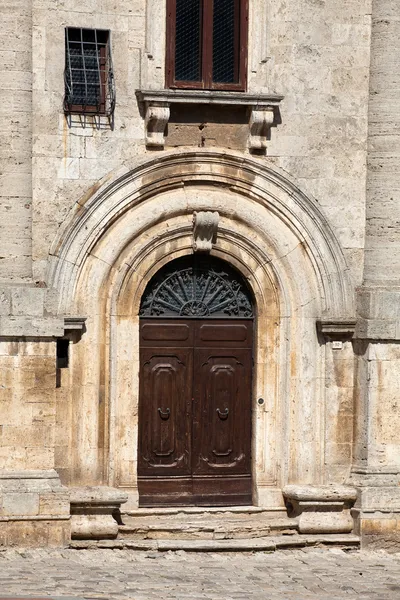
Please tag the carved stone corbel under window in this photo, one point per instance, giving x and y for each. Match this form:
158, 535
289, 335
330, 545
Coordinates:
261, 121
156, 121
205, 225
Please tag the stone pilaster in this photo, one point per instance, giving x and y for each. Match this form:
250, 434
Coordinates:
376, 452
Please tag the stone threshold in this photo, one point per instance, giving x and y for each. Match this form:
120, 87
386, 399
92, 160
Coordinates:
268, 544
190, 510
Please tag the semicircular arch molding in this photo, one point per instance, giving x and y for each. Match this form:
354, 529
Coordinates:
127, 206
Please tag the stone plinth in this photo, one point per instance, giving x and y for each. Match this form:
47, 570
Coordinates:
321, 509
92, 510
34, 509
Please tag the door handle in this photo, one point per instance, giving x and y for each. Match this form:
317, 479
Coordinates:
223, 414
164, 415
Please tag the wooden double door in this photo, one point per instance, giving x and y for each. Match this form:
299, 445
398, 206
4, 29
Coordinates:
195, 412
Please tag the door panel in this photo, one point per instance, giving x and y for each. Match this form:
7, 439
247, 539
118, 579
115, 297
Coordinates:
165, 411
223, 335
166, 333
221, 412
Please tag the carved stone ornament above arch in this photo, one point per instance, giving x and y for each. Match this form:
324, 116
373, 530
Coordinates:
259, 198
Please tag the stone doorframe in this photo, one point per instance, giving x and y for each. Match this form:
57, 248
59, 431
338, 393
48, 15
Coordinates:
278, 239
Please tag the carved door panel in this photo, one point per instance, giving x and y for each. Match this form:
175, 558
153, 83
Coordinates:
165, 419
221, 423
221, 448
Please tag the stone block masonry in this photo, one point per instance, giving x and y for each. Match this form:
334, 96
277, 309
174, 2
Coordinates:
34, 509
16, 141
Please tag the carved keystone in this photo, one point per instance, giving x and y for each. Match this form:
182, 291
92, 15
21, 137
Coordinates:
205, 225
156, 121
92, 511
321, 509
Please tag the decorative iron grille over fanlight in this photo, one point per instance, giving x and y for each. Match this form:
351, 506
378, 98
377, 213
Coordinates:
197, 287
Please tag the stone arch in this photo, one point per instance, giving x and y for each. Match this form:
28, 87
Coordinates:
253, 179
276, 237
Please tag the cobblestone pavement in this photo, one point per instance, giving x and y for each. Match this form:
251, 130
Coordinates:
291, 575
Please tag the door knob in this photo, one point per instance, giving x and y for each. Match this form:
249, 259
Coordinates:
223, 414
164, 415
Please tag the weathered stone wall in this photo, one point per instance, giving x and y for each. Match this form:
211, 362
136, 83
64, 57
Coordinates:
34, 509
16, 140
68, 163
315, 54
382, 256
27, 404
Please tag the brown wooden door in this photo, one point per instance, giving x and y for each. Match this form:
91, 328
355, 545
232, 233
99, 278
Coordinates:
195, 412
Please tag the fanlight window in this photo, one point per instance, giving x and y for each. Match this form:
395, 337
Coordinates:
195, 287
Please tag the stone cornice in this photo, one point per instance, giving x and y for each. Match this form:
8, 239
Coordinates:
208, 97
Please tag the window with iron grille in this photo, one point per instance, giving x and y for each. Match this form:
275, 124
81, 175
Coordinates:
207, 44
89, 78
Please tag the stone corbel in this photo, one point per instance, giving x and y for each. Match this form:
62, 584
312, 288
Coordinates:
205, 225
156, 121
261, 121
74, 324
336, 329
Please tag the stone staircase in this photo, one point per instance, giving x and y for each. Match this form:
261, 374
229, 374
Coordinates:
228, 529
205, 524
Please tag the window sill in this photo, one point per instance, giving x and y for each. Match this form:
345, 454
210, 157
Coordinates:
263, 111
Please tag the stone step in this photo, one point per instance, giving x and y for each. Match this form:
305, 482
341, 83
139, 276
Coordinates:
266, 544
222, 528
210, 511
205, 524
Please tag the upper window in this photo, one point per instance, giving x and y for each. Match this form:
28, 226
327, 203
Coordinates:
207, 44
89, 81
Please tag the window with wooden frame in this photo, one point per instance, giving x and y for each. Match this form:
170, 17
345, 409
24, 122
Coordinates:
207, 44
89, 79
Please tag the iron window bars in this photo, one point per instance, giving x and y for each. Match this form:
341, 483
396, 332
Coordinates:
207, 44
88, 75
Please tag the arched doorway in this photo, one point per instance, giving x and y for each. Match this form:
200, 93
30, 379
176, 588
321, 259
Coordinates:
196, 358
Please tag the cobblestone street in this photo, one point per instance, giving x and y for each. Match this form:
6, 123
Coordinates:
291, 575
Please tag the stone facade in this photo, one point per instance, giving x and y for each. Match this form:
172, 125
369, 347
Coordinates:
302, 172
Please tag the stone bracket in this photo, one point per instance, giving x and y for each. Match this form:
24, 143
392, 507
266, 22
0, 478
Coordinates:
264, 111
74, 323
205, 225
261, 121
74, 328
156, 121
336, 329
